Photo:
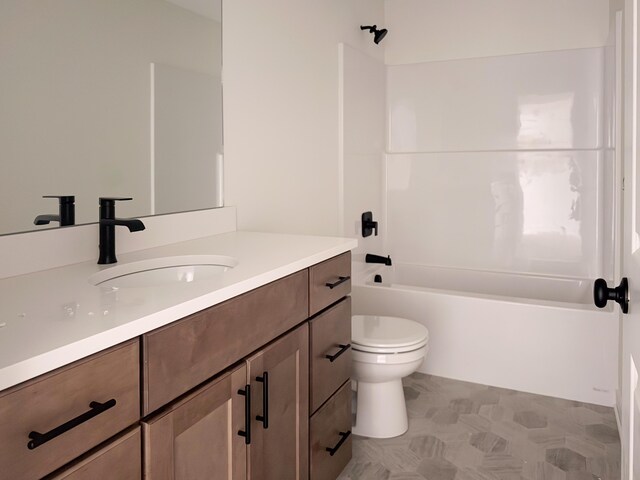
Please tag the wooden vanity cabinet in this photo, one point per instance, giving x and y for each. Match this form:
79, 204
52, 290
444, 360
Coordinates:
119, 459
204, 435
330, 436
186, 353
221, 394
278, 375
329, 281
330, 362
198, 436
50, 420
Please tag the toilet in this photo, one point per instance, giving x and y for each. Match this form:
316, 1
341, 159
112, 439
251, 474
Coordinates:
384, 350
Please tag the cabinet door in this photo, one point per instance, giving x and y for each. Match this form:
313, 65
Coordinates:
279, 379
120, 459
330, 443
329, 281
330, 355
198, 437
182, 355
68, 412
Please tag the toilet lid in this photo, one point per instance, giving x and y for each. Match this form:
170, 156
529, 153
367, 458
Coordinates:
387, 333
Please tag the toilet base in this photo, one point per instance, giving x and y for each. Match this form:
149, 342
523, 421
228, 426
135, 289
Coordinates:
381, 411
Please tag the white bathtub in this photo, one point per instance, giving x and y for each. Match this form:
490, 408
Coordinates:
524, 332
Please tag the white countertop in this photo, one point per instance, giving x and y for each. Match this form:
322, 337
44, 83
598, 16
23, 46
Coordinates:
54, 317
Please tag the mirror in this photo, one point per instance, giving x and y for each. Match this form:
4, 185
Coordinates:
109, 98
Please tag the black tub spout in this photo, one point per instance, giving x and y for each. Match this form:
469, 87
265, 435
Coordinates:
371, 258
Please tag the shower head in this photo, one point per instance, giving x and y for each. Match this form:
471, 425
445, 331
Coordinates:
378, 35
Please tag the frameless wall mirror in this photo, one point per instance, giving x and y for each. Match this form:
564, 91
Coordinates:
109, 98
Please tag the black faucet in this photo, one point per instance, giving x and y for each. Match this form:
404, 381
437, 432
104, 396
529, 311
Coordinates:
66, 212
108, 223
370, 258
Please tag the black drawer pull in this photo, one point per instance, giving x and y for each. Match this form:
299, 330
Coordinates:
264, 418
343, 348
97, 408
340, 281
246, 393
344, 435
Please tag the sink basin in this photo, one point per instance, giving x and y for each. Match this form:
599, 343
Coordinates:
163, 270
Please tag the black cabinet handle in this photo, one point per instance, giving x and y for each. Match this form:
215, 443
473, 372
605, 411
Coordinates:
343, 348
264, 418
340, 281
247, 414
97, 408
344, 436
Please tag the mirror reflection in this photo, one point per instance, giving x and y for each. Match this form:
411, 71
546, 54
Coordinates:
109, 98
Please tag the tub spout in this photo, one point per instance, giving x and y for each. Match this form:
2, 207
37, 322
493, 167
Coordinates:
370, 258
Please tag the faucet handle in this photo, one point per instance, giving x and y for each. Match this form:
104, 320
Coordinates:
368, 225
108, 206
64, 199
66, 211
113, 199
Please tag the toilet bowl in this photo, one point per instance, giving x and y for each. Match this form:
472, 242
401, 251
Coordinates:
384, 350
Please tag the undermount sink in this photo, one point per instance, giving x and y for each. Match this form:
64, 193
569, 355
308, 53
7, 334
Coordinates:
163, 270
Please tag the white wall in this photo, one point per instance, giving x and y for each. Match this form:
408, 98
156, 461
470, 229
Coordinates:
281, 108
427, 30
363, 121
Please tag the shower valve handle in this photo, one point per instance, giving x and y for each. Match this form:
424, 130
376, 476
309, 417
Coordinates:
619, 294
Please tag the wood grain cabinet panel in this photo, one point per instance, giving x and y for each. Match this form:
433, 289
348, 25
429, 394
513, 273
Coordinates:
331, 429
280, 426
186, 353
197, 437
330, 354
120, 459
329, 281
49, 404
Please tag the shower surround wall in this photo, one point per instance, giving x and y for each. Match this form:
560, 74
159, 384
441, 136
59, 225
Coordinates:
505, 166
502, 163
498, 169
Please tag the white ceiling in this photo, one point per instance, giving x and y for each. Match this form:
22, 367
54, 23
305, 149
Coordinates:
207, 8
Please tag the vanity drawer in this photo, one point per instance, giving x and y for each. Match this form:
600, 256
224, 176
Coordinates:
78, 406
330, 351
186, 353
329, 281
121, 458
330, 426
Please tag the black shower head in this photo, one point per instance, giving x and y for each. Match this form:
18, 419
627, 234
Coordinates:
378, 35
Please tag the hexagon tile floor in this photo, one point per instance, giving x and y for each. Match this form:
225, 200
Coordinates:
466, 431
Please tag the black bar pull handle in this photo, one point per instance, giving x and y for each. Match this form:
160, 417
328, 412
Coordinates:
246, 393
96, 408
340, 281
264, 418
343, 348
344, 436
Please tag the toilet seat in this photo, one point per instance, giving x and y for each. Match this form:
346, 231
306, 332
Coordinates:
387, 335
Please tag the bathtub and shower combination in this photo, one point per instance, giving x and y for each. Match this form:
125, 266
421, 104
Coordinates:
498, 187
532, 333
